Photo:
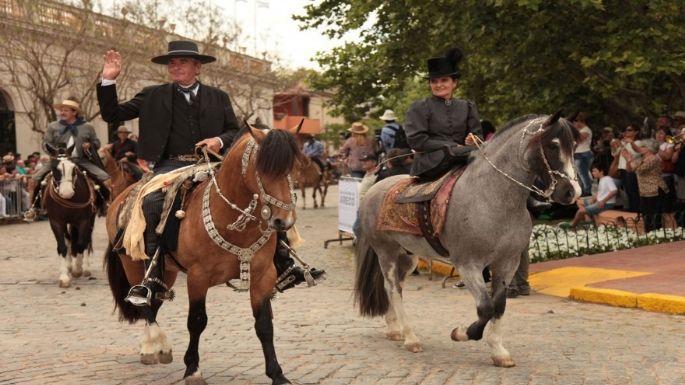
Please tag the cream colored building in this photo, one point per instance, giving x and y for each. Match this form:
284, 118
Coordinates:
38, 35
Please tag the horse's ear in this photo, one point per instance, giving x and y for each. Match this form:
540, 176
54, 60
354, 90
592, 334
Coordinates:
69, 150
52, 150
552, 119
299, 127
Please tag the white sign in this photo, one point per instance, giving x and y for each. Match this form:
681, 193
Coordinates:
348, 202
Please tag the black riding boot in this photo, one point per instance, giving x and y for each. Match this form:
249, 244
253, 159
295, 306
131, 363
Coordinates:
153, 286
290, 275
102, 196
32, 212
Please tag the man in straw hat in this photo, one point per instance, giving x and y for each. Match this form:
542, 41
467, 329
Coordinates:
71, 129
174, 118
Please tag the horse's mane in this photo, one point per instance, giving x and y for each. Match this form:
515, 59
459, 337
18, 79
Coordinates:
515, 122
277, 153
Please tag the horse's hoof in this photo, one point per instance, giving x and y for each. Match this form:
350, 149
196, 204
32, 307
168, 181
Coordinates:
394, 336
149, 359
86, 273
195, 380
414, 348
503, 362
165, 358
459, 334
76, 274
64, 283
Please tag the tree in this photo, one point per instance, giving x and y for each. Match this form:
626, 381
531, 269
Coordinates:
616, 60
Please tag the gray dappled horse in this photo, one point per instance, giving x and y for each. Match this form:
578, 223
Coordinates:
486, 224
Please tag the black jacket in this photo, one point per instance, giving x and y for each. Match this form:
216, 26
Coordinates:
153, 107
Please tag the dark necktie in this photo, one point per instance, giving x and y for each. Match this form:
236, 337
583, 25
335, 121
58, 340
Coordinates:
189, 91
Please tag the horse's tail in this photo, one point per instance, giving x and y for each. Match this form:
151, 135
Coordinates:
369, 290
119, 285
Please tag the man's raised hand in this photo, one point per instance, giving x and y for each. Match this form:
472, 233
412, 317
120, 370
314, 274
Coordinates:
112, 65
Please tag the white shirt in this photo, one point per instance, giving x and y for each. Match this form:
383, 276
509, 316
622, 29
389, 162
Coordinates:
584, 146
622, 161
606, 186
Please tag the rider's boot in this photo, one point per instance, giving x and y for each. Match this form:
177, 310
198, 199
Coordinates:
34, 197
152, 286
102, 198
289, 274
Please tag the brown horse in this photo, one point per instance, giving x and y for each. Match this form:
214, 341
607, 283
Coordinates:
69, 200
120, 172
308, 174
250, 194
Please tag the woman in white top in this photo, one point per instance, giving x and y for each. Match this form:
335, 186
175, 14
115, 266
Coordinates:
583, 154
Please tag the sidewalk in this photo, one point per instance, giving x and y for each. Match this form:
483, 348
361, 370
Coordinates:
650, 278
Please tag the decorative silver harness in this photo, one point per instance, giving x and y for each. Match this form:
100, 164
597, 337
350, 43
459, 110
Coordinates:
244, 254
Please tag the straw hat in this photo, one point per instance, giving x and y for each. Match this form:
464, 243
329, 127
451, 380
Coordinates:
123, 129
7, 158
69, 104
358, 128
388, 115
679, 114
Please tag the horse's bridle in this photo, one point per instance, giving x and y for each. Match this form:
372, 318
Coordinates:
54, 188
553, 174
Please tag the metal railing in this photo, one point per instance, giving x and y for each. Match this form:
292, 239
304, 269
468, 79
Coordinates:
554, 242
15, 198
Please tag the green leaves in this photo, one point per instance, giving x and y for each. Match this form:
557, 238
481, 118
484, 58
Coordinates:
617, 60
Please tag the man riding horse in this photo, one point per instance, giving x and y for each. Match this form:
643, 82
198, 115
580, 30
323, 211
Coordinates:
174, 119
72, 129
125, 147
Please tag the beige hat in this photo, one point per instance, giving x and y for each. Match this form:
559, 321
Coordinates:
7, 158
358, 128
679, 114
388, 115
69, 104
123, 129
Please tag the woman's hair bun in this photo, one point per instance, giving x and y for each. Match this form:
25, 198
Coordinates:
454, 55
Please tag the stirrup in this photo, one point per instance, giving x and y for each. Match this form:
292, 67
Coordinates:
30, 215
136, 299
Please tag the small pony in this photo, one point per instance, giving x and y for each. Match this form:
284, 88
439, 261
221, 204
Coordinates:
228, 232
486, 224
69, 200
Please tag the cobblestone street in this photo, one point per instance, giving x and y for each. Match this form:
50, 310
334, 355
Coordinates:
71, 336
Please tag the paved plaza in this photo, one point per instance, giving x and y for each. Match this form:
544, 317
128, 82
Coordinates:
71, 336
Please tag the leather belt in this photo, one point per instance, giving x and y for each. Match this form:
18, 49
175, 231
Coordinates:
185, 157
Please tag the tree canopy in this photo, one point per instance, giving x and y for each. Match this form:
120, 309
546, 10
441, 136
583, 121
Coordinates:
618, 60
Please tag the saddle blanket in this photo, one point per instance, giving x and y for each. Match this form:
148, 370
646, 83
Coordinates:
170, 182
402, 217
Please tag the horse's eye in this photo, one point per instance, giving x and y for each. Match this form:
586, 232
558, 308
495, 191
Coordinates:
553, 146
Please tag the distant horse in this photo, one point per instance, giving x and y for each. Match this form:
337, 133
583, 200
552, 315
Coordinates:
120, 172
486, 224
230, 218
69, 200
308, 174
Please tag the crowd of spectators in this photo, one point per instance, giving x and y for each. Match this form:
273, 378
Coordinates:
15, 173
644, 162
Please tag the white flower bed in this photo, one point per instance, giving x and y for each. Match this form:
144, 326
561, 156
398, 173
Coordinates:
552, 242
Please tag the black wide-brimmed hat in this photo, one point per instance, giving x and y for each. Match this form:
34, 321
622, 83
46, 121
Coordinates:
182, 48
446, 65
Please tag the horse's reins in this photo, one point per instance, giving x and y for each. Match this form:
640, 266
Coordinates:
547, 193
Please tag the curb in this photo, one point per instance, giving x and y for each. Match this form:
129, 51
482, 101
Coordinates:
660, 303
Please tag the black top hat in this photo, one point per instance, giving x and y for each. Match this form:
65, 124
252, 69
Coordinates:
445, 66
182, 48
